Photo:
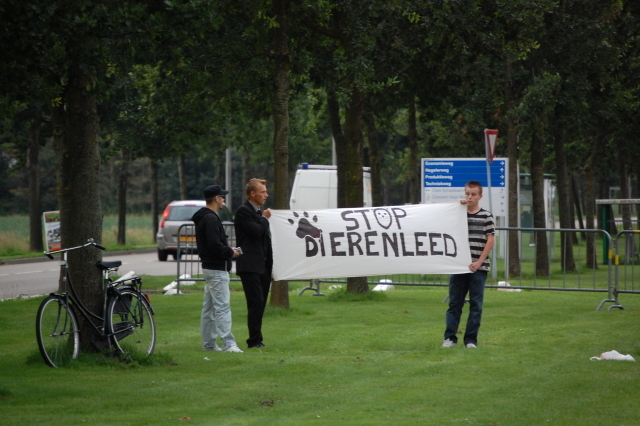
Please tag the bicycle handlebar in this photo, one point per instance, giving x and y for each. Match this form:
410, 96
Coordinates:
90, 242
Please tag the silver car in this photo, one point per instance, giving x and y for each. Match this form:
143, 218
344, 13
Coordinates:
178, 213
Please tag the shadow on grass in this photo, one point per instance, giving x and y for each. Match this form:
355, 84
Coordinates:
5, 394
273, 311
126, 360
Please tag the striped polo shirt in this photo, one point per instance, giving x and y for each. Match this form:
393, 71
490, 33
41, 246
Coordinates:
480, 225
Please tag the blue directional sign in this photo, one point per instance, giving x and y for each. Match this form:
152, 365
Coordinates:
457, 172
443, 181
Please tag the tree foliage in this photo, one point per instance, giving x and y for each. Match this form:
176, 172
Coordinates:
163, 79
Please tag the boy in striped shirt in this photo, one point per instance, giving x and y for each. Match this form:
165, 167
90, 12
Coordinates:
481, 241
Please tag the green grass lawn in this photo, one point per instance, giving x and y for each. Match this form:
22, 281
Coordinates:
330, 361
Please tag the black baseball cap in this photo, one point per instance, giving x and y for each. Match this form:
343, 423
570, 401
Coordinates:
213, 191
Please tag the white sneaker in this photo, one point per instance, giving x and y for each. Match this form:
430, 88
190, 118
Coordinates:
471, 345
232, 348
448, 343
215, 348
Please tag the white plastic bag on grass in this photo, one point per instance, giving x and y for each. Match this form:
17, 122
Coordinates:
612, 355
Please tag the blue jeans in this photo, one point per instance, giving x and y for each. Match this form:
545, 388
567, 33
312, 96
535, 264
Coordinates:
216, 312
459, 286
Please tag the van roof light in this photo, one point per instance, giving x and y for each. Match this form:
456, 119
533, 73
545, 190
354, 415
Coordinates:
307, 166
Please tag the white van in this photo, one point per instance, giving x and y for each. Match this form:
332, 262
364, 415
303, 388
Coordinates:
316, 187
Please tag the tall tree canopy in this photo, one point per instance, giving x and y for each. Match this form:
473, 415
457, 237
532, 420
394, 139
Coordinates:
277, 80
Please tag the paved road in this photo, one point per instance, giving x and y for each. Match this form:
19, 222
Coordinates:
41, 277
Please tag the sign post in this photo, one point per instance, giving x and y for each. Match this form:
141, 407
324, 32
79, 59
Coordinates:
491, 137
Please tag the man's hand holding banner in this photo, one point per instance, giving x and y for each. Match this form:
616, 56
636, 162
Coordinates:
361, 241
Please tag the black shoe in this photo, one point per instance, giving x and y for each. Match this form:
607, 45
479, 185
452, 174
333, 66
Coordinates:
257, 346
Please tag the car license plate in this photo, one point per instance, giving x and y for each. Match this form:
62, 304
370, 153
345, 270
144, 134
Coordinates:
191, 238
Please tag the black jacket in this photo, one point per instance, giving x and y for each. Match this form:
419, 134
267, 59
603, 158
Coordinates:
213, 248
252, 235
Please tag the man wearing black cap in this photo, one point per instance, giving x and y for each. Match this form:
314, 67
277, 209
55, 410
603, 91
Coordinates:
216, 255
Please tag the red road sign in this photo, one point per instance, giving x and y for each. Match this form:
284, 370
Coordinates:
491, 136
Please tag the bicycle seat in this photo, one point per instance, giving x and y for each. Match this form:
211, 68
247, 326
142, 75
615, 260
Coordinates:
104, 265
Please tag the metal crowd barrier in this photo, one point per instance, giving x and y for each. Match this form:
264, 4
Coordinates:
583, 279
188, 263
627, 262
622, 263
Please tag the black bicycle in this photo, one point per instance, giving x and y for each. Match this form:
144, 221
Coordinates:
127, 325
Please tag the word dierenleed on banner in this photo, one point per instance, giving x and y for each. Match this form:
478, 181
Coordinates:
415, 239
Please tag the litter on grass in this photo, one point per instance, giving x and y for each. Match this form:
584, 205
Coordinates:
506, 284
170, 289
384, 285
612, 355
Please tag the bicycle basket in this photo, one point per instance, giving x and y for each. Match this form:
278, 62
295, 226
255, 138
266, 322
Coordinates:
123, 305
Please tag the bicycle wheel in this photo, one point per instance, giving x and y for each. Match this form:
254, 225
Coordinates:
130, 322
57, 332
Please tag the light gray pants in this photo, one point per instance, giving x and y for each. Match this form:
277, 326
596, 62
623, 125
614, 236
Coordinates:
216, 312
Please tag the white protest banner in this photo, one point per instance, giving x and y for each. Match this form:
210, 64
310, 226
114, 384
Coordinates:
353, 242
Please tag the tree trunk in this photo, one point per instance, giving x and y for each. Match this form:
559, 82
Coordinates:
182, 177
602, 193
590, 212
353, 152
414, 167
625, 209
388, 182
78, 166
35, 207
572, 210
578, 205
333, 108
155, 210
354, 139
219, 172
123, 182
537, 190
564, 202
245, 172
281, 84
374, 158
637, 170
590, 196
512, 152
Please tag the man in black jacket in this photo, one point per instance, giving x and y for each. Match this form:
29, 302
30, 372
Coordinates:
256, 262
216, 255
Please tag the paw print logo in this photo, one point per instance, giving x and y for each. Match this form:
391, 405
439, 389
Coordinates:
305, 227
309, 232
